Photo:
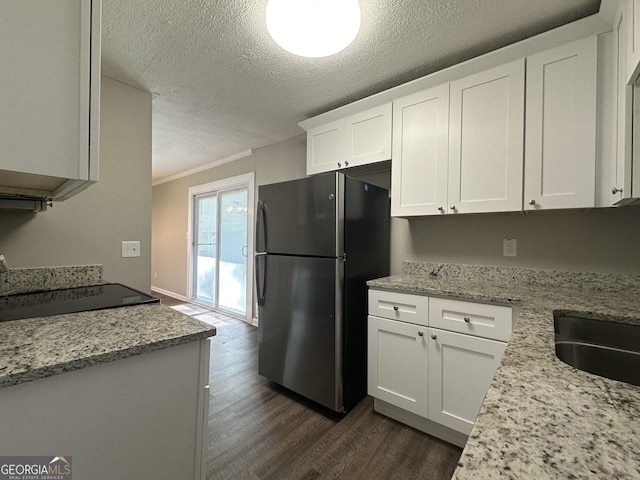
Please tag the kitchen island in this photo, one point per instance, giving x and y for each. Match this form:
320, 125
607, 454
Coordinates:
123, 391
542, 418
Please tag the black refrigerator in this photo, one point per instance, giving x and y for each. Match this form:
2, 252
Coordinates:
318, 240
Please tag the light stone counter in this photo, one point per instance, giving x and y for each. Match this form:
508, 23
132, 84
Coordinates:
36, 348
542, 418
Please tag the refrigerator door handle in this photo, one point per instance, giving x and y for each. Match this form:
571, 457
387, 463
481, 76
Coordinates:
261, 227
261, 277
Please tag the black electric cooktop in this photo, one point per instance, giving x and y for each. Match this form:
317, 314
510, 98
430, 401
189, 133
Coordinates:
70, 300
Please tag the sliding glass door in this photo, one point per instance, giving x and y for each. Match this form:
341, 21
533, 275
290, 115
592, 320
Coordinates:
220, 249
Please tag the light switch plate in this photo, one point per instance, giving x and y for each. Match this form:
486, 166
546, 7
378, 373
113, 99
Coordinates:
130, 249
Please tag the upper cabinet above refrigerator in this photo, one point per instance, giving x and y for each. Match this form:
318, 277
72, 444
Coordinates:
358, 139
49, 101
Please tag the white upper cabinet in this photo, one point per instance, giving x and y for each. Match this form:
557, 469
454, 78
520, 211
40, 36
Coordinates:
355, 140
486, 140
49, 101
325, 147
619, 179
420, 153
614, 121
560, 151
457, 148
632, 20
368, 136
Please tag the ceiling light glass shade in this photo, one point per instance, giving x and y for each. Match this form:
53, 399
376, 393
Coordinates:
313, 28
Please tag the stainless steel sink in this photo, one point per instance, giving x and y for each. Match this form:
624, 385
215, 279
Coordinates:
605, 348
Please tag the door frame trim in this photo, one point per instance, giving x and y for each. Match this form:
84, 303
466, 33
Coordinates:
246, 180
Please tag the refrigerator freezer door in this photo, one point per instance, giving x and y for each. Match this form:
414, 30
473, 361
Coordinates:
300, 217
299, 332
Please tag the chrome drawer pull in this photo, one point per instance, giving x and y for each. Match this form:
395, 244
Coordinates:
467, 319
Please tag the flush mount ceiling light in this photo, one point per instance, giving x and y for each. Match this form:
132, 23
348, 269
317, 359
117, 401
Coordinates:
313, 28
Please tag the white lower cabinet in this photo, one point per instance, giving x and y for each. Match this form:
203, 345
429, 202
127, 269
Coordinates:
460, 371
434, 379
398, 364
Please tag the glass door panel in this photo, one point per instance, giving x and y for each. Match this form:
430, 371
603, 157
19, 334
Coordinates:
205, 248
232, 272
220, 249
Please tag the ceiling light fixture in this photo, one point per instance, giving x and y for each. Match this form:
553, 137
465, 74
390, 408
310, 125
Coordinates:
313, 28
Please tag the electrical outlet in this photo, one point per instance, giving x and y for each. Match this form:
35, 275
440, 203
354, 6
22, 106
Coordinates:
509, 247
130, 249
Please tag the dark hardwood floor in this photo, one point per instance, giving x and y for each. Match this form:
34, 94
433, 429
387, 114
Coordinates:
258, 430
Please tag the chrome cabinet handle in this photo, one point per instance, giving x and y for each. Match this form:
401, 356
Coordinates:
615, 190
420, 334
440, 208
467, 319
434, 336
452, 207
532, 202
339, 164
396, 308
346, 163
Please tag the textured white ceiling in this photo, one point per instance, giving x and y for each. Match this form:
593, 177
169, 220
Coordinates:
221, 85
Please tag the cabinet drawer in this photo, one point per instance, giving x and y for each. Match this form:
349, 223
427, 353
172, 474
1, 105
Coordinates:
478, 319
399, 306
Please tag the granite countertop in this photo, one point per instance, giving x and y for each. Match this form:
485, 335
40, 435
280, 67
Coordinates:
35, 348
542, 418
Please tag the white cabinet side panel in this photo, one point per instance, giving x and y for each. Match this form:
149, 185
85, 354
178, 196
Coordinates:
129, 419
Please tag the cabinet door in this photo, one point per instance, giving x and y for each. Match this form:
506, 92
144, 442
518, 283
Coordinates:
486, 141
461, 368
325, 147
560, 151
44, 101
632, 8
368, 136
420, 153
397, 364
619, 188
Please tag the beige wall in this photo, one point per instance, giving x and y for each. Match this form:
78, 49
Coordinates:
88, 228
282, 161
604, 239
596, 240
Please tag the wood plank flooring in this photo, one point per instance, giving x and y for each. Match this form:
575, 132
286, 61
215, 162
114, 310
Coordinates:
259, 430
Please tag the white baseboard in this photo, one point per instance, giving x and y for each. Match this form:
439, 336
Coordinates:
169, 294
